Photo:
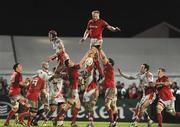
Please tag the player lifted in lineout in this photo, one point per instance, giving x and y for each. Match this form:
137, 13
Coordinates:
95, 29
59, 55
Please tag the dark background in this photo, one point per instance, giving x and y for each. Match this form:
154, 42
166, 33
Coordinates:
70, 17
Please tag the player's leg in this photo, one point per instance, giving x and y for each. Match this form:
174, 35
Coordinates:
75, 111
57, 122
37, 117
60, 117
171, 109
77, 106
115, 112
138, 109
32, 114
114, 107
57, 105
24, 102
14, 109
109, 95
89, 107
89, 112
142, 111
53, 108
160, 107
68, 104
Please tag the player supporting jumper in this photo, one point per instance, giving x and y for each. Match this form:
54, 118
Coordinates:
166, 98
73, 96
111, 90
95, 28
36, 86
91, 89
44, 100
146, 82
56, 99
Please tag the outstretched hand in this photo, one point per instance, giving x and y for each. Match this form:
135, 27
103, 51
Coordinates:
117, 29
119, 71
81, 40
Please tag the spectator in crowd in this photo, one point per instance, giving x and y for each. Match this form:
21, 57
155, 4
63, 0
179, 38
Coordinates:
174, 88
178, 91
3, 87
121, 90
118, 86
132, 91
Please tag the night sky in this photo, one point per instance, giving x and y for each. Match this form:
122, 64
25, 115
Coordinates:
70, 17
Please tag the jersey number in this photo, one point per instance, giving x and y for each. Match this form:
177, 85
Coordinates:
34, 82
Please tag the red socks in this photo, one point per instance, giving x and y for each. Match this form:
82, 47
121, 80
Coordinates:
29, 121
115, 116
111, 117
74, 114
159, 119
10, 115
23, 114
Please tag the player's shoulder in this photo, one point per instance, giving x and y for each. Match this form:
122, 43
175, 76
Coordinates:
16, 74
102, 20
108, 64
90, 21
58, 40
166, 77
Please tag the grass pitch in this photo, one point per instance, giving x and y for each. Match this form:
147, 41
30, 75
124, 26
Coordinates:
97, 124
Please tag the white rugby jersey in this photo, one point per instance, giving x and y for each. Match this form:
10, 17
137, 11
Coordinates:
145, 78
56, 43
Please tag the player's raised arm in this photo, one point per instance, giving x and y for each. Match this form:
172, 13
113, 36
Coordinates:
103, 57
85, 36
126, 76
113, 29
90, 53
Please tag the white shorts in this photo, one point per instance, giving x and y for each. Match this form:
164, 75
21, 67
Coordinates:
169, 105
60, 99
95, 41
57, 100
87, 95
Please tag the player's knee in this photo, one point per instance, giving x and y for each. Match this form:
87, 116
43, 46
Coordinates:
108, 105
114, 108
172, 112
66, 106
142, 108
15, 106
159, 108
93, 103
78, 106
